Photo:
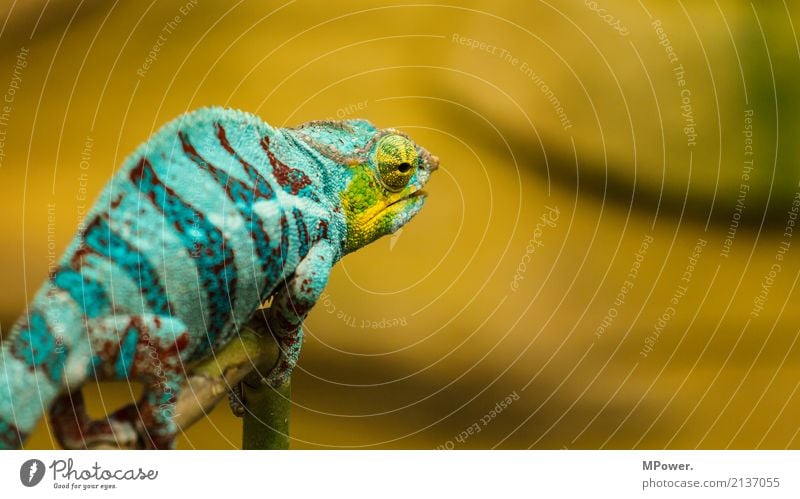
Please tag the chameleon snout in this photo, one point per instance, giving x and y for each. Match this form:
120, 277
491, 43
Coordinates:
432, 160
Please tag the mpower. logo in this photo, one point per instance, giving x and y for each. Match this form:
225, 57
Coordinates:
31, 472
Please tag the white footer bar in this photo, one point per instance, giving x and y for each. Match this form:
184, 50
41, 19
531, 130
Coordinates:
353, 474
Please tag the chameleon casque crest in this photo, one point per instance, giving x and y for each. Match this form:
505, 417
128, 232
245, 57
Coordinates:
204, 222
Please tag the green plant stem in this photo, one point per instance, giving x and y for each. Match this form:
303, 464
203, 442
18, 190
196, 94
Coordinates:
266, 419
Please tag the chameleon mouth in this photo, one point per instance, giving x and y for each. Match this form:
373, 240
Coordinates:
404, 202
414, 195
398, 205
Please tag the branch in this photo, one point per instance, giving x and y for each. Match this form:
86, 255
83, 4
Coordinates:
266, 417
208, 383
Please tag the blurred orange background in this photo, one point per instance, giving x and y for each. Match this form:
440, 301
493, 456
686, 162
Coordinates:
652, 307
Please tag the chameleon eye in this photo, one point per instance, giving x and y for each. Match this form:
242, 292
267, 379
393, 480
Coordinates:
396, 158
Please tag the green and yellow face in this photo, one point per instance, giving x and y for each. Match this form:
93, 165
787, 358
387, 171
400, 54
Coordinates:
385, 191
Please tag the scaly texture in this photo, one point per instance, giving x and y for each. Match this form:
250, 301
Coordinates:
206, 221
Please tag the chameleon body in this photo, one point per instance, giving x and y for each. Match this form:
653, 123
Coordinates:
208, 219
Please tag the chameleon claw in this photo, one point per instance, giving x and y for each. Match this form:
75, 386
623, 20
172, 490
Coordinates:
236, 400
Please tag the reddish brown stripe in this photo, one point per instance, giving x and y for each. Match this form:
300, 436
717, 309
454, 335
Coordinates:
291, 179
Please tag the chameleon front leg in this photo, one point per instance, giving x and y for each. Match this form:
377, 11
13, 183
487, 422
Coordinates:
291, 304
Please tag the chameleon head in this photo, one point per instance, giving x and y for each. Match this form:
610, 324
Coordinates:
383, 173
385, 191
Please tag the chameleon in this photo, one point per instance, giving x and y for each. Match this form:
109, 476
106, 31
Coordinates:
213, 216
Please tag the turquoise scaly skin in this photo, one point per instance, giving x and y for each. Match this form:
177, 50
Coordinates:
203, 223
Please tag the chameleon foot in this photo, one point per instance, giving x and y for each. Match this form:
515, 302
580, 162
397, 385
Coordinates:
135, 423
236, 400
135, 426
289, 344
74, 430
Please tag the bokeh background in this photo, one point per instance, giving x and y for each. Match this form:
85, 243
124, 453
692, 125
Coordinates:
654, 305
